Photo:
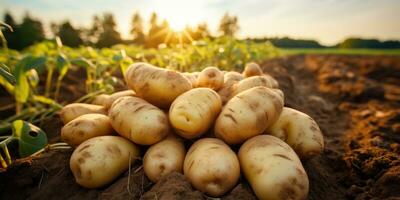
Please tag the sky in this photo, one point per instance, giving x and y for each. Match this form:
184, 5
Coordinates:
327, 21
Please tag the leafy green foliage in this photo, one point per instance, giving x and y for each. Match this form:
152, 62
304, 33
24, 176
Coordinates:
30, 137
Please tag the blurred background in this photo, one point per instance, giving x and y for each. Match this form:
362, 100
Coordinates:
286, 24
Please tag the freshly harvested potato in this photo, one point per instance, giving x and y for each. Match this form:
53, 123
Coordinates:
251, 82
99, 160
233, 76
138, 120
158, 86
273, 82
273, 169
100, 99
210, 77
300, 131
74, 110
252, 69
110, 100
85, 127
230, 79
192, 78
164, 158
248, 114
211, 166
192, 113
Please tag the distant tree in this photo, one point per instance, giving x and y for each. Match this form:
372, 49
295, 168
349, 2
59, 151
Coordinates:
109, 35
91, 35
68, 34
368, 43
29, 32
286, 42
153, 37
229, 25
137, 29
11, 36
201, 31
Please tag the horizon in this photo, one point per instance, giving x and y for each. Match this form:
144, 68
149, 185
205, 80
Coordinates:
336, 20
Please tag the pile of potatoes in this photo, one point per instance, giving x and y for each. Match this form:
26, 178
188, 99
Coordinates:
212, 126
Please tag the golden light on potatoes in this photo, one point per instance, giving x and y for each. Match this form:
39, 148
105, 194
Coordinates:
158, 86
74, 110
192, 113
163, 158
85, 127
230, 79
249, 83
99, 160
210, 77
273, 169
300, 131
138, 120
248, 114
252, 69
211, 166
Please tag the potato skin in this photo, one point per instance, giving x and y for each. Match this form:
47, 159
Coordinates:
230, 79
192, 77
233, 76
163, 158
252, 69
110, 100
300, 131
211, 166
99, 160
273, 169
138, 120
85, 127
248, 114
74, 110
100, 99
158, 86
210, 77
249, 83
192, 113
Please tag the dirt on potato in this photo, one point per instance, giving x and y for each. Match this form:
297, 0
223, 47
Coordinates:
354, 99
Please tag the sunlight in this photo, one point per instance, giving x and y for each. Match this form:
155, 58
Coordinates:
177, 25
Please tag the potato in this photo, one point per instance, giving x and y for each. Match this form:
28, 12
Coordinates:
300, 131
85, 127
110, 100
273, 82
252, 69
100, 160
74, 110
230, 79
210, 77
248, 114
100, 99
211, 166
164, 158
192, 78
192, 113
138, 120
273, 169
233, 76
251, 82
158, 86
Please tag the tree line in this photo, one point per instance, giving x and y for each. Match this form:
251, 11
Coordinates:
103, 31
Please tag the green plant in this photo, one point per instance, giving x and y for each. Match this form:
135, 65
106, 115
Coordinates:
31, 141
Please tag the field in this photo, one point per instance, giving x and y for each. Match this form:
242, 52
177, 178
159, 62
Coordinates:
355, 100
337, 51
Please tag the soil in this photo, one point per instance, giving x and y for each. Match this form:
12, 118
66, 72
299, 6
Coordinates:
354, 99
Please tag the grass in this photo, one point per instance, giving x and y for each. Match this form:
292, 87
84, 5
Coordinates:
337, 51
